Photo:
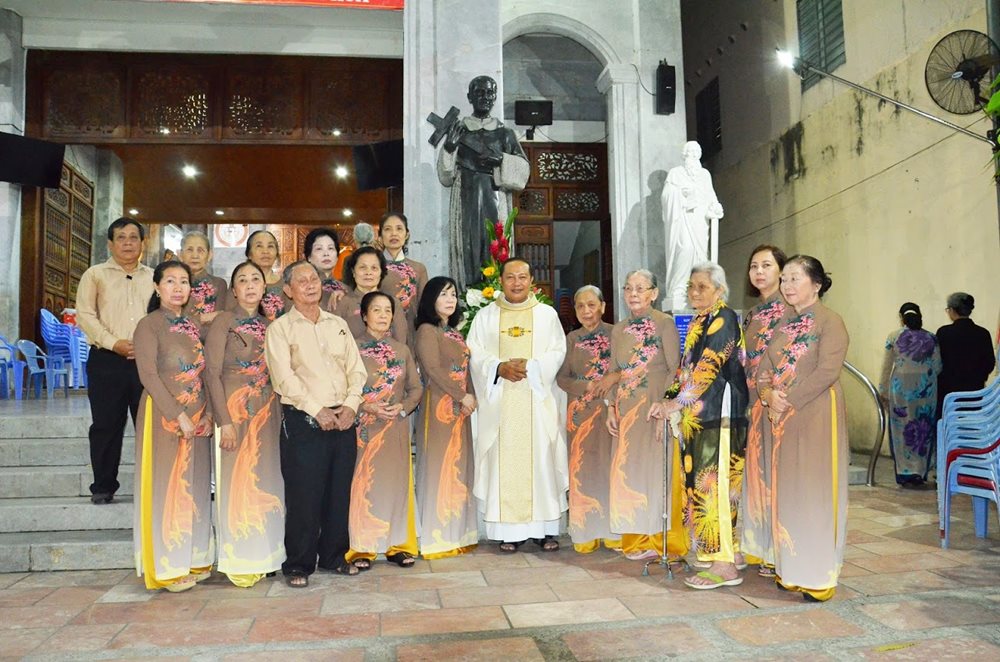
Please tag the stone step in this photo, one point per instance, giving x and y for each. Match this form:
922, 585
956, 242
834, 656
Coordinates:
63, 514
66, 550
55, 481
38, 452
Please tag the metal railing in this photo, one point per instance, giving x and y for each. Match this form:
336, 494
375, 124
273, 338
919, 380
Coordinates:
877, 446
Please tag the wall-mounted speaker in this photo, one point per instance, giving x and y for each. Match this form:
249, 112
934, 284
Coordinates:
29, 161
533, 113
378, 165
666, 88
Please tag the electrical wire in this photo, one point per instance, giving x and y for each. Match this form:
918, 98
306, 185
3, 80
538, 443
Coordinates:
639, 76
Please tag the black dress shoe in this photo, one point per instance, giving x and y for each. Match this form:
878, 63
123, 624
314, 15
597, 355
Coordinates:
101, 498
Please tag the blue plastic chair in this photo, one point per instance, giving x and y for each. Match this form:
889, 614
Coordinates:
42, 366
968, 455
13, 370
67, 342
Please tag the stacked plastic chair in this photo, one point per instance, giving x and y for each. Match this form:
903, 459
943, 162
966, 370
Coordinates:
968, 455
11, 370
41, 366
68, 343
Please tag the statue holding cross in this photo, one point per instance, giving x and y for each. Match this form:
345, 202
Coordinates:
482, 162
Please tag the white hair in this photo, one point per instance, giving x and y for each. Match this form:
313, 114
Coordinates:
716, 274
593, 289
190, 234
364, 234
645, 273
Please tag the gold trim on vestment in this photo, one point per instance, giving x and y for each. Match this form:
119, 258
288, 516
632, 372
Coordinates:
514, 448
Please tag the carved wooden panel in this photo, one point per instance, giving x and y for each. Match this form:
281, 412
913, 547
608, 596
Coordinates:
172, 102
66, 229
84, 102
577, 203
564, 166
534, 202
263, 103
100, 97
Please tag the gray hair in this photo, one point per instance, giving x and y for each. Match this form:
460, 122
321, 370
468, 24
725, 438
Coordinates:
364, 234
645, 273
593, 289
190, 234
716, 274
961, 303
286, 274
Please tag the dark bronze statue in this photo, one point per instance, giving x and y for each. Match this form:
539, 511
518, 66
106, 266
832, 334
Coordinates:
483, 164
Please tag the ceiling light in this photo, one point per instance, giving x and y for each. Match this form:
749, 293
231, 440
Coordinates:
336, 133
164, 130
133, 211
341, 172
219, 212
348, 213
190, 171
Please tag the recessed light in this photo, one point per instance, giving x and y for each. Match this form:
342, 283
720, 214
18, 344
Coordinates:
133, 212
219, 212
164, 130
348, 213
189, 171
341, 172
336, 133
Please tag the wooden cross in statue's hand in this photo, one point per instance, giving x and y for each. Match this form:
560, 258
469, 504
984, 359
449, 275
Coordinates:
442, 125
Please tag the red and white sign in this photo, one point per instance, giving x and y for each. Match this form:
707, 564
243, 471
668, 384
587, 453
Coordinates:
230, 235
360, 4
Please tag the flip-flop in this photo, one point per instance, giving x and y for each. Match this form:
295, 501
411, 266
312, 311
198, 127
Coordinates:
705, 565
400, 559
645, 555
547, 544
362, 564
297, 580
766, 572
510, 547
719, 581
185, 584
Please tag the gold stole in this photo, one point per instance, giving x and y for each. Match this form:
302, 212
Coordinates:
514, 449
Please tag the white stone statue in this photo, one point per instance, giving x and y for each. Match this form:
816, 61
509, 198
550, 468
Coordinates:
689, 207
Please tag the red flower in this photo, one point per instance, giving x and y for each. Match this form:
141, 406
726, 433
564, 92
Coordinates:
503, 255
498, 228
504, 243
494, 248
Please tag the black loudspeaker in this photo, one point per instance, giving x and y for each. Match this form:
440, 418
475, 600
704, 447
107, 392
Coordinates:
533, 113
29, 161
379, 165
666, 88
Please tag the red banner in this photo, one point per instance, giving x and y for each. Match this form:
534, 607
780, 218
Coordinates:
360, 4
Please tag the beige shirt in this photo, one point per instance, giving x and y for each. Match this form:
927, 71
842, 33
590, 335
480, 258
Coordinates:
314, 365
110, 302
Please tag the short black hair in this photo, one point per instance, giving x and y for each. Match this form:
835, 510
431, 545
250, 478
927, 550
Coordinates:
912, 318
514, 258
154, 301
779, 257
232, 283
427, 310
390, 214
123, 222
315, 234
352, 260
368, 299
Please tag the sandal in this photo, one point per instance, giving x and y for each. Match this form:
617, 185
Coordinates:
402, 559
644, 555
350, 569
705, 565
297, 580
183, 584
766, 571
547, 544
361, 564
717, 581
510, 547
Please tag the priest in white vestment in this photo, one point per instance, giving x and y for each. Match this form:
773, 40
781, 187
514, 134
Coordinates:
521, 473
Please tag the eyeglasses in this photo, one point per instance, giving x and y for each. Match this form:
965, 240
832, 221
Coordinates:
636, 290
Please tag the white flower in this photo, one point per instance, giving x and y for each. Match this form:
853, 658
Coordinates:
474, 298
497, 293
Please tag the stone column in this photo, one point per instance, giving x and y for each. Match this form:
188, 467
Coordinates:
446, 44
12, 59
620, 85
109, 196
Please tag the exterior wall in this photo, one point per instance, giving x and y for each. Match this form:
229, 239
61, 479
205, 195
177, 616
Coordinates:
897, 208
11, 121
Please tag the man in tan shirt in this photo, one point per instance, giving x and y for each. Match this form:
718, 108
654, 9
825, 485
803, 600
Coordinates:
316, 368
111, 299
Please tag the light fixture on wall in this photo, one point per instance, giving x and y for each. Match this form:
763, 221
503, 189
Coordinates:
133, 212
348, 213
341, 172
802, 67
219, 212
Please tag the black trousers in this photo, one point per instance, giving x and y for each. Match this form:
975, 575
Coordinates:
114, 391
317, 467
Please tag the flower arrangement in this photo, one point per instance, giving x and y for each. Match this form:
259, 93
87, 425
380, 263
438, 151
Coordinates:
481, 294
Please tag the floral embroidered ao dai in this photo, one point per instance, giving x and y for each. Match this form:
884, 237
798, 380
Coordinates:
208, 295
810, 450
172, 528
909, 383
249, 489
755, 507
713, 389
445, 462
588, 359
382, 517
405, 281
349, 308
646, 350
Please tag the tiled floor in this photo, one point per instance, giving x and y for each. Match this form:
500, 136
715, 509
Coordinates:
901, 597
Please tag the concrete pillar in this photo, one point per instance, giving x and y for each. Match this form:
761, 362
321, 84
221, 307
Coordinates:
446, 44
109, 197
12, 59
